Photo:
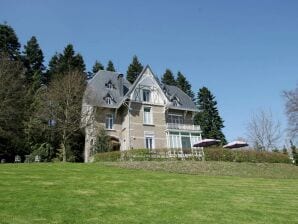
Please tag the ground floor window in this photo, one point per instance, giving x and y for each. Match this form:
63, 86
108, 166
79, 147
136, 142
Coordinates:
184, 140
149, 140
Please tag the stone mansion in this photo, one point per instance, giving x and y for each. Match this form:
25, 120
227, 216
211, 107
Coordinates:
145, 114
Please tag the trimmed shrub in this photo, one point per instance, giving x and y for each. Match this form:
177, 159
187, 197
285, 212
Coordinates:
211, 154
107, 156
228, 155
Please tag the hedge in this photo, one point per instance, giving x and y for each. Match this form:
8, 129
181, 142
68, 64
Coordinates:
228, 155
211, 154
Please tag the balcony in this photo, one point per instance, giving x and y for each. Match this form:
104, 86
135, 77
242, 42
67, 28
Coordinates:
187, 127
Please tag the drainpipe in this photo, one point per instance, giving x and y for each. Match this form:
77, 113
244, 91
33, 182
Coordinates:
129, 137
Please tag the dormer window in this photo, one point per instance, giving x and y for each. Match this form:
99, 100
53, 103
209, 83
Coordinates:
109, 85
175, 102
109, 100
146, 95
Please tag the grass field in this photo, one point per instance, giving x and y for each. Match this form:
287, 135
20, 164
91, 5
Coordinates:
102, 193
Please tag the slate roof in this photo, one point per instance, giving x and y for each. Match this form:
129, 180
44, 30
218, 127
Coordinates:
184, 101
97, 91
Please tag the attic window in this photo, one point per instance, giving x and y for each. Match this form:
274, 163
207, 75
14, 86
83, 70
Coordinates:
175, 102
109, 100
146, 95
109, 85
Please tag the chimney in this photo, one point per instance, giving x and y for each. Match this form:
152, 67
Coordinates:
120, 83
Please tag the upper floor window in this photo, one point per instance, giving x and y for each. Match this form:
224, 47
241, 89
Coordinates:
109, 100
175, 119
146, 95
109, 85
175, 102
148, 115
109, 121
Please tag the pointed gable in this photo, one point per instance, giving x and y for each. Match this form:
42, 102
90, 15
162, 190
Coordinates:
147, 82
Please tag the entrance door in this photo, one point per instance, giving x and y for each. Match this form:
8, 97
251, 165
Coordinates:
185, 141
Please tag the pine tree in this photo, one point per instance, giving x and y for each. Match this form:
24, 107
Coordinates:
110, 66
168, 78
208, 117
9, 43
12, 91
184, 85
134, 69
97, 66
33, 61
65, 62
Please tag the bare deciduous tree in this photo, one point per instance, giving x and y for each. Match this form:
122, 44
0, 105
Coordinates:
263, 131
292, 111
63, 105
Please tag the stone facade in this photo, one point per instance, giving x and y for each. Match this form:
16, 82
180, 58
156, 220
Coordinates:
143, 117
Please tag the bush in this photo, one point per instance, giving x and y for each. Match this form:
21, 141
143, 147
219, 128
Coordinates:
107, 156
228, 155
44, 150
211, 154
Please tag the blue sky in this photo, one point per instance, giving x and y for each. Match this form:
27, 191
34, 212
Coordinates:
245, 52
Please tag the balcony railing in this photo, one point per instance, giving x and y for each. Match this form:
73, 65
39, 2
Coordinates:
189, 127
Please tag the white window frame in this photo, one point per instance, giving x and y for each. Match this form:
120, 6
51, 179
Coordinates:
146, 96
109, 122
147, 137
109, 100
179, 119
148, 119
175, 103
110, 85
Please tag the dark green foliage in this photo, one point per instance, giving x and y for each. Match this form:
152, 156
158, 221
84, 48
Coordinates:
33, 61
97, 66
45, 151
168, 78
184, 85
208, 116
9, 43
227, 155
65, 62
134, 69
102, 143
110, 66
12, 102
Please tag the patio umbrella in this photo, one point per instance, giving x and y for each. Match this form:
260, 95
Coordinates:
235, 144
206, 142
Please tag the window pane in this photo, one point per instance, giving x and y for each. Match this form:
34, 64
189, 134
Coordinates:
148, 142
147, 115
109, 121
146, 95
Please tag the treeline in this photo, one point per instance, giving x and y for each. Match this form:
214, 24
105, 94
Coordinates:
40, 110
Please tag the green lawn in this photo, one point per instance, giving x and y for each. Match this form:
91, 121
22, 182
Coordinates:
101, 193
